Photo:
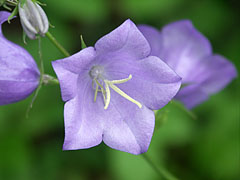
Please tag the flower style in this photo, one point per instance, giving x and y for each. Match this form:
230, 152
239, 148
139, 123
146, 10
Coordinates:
33, 19
111, 89
19, 74
189, 53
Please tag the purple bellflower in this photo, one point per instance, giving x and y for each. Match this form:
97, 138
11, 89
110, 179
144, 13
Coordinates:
19, 74
189, 53
111, 89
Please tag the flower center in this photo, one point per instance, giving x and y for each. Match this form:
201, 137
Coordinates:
100, 84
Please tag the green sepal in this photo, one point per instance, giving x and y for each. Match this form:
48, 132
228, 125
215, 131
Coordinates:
6, 7
24, 35
14, 13
83, 44
40, 3
22, 2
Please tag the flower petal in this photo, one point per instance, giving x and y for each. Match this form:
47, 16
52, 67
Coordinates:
130, 128
3, 17
184, 46
191, 96
19, 74
154, 39
126, 41
13, 91
83, 119
214, 73
87, 122
153, 82
68, 70
12, 55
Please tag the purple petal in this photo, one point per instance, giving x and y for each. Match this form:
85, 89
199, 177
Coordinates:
214, 73
211, 75
126, 41
153, 82
3, 17
184, 47
19, 74
68, 70
83, 119
13, 91
127, 127
191, 96
154, 39
87, 123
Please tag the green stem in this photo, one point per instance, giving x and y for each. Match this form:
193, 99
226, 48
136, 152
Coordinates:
57, 44
163, 174
41, 77
49, 80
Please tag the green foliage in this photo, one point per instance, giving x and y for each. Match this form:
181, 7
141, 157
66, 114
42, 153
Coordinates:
203, 148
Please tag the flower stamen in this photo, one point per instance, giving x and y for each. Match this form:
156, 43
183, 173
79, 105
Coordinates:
106, 92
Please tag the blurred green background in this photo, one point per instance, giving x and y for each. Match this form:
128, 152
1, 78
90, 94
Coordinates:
207, 148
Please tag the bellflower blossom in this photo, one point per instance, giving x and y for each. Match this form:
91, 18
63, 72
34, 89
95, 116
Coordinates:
111, 89
19, 74
190, 54
33, 19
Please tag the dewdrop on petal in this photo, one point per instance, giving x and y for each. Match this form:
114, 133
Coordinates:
33, 19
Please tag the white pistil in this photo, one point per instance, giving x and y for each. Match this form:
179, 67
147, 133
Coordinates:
108, 95
95, 94
106, 92
119, 91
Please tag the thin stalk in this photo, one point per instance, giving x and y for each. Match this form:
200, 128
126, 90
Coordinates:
188, 112
163, 174
41, 68
57, 44
48, 79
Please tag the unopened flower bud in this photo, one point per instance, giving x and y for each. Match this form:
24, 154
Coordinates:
33, 19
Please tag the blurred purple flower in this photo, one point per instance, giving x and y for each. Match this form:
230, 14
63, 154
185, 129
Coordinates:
19, 75
111, 90
189, 53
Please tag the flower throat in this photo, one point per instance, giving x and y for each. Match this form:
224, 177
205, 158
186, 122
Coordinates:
100, 84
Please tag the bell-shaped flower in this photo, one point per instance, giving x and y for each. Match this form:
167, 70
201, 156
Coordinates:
19, 74
33, 19
190, 54
111, 90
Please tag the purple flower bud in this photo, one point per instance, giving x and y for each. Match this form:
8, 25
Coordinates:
19, 74
33, 19
190, 54
111, 90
